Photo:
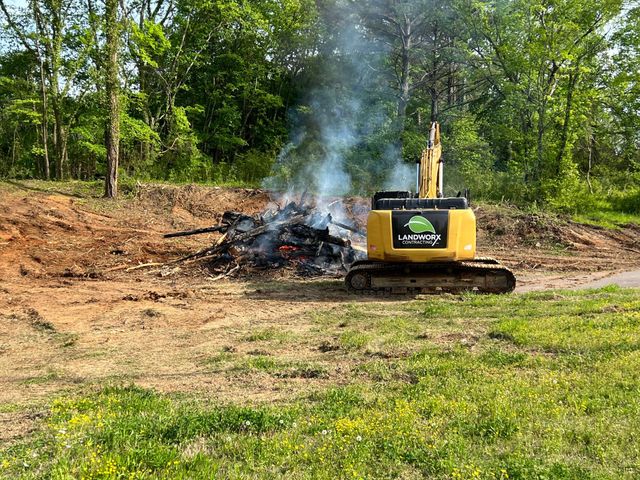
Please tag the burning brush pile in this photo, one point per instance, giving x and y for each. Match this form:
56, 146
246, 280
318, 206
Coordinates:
296, 237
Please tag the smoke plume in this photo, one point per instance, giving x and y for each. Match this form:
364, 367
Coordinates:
343, 138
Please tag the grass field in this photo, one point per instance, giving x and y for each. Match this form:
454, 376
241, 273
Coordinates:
535, 386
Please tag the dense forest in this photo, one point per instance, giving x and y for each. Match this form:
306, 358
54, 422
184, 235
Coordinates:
539, 100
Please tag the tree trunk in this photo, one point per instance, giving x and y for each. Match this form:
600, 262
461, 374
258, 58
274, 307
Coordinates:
13, 146
112, 91
59, 139
45, 121
590, 164
450, 88
145, 146
403, 100
57, 101
434, 104
564, 134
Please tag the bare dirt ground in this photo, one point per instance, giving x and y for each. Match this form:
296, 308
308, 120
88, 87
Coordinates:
73, 315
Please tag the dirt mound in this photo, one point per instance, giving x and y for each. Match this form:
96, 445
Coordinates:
548, 230
510, 226
201, 202
499, 225
44, 233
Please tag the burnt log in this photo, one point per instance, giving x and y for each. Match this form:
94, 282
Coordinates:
197, 231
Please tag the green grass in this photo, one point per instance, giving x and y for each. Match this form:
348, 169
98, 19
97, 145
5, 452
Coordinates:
268, 334
608, 218
537, 386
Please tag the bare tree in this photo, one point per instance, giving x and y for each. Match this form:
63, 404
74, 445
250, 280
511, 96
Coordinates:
414, 34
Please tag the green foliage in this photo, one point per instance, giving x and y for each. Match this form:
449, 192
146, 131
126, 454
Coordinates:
253, 166
469, 157
627, 200
537, 99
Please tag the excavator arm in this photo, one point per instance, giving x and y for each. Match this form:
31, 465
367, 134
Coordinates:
430, 176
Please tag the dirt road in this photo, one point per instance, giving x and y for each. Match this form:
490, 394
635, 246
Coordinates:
629, 279
72, 315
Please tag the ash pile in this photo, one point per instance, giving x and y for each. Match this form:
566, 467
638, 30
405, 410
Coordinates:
296, 237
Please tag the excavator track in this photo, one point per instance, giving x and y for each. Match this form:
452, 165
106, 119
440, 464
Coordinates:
484, 275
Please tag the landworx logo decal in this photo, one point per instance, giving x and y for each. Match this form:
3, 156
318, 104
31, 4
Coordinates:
424, 233
419, 224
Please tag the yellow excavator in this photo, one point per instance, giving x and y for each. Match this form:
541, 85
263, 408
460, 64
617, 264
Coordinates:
424, 242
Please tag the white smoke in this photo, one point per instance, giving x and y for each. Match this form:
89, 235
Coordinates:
402, 175
335, 146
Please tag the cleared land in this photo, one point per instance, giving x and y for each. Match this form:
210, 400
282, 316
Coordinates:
539, 384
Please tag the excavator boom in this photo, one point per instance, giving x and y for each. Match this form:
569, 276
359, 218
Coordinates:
430, 176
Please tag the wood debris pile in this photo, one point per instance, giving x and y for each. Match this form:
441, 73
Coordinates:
296, 237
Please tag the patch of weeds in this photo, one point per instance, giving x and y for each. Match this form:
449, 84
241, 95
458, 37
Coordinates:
501, 335
608, 219
261, 335
378, 370
51, 375
437, 309
267, 334
218, 359
38, 322
303, 370
336, 402
281, 368
327, 346
353, 340
68, 340
492, 422
11, 407
499, 358
347, 315
262, 363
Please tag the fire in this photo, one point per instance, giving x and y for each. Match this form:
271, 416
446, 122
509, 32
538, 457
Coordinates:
289, 248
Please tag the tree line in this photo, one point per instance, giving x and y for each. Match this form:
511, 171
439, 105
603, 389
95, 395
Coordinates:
538, 100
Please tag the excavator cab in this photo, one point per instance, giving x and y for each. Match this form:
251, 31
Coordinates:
423, 241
